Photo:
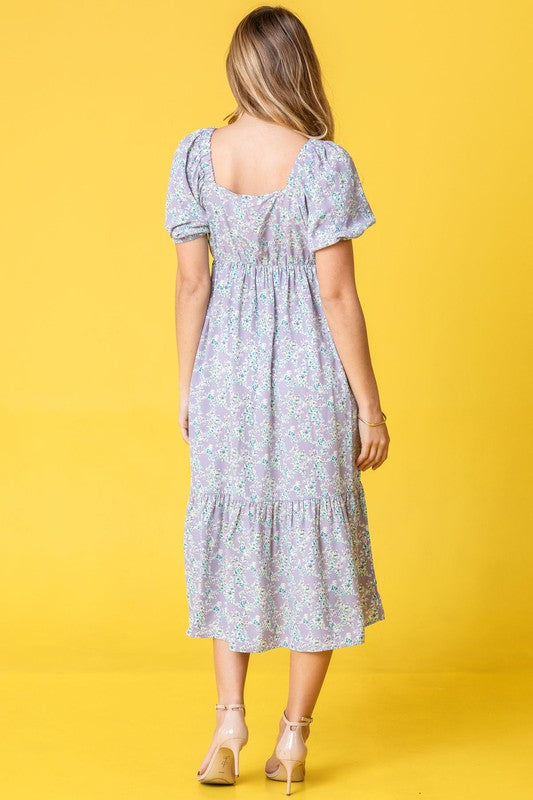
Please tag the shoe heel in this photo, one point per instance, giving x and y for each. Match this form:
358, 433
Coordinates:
291, 752
230, 736
289, 767
235, 746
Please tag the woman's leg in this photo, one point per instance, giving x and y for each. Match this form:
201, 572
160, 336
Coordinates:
230, 675
306, 676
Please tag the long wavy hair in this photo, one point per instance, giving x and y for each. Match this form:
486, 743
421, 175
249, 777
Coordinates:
274, 73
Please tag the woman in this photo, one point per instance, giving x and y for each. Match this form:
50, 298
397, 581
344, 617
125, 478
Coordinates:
278, 399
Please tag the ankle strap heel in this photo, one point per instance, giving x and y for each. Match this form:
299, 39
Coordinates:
291, 751
227, 706
300, 723
230, 736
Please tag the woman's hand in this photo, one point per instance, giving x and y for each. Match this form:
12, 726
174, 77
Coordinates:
374, 443
183, 415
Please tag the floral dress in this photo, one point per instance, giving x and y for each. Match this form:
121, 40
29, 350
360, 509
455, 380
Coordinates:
276, 543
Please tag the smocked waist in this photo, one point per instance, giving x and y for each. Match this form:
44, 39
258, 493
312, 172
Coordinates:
237, 263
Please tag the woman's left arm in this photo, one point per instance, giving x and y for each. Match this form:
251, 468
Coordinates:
193, 288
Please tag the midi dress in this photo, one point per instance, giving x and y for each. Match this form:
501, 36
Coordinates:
276, 546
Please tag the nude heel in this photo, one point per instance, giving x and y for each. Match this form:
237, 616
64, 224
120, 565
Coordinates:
289, 767
235, 746
231, 735
291, 750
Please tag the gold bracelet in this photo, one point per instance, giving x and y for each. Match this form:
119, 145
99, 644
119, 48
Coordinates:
372, 424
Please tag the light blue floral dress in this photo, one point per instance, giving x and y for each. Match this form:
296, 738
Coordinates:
277, 548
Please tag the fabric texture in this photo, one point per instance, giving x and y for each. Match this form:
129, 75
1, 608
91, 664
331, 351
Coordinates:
277, 546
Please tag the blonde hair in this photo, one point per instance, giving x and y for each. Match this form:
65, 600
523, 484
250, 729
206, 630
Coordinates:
274, 73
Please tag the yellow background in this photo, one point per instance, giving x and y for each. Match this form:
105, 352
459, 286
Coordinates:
432, 102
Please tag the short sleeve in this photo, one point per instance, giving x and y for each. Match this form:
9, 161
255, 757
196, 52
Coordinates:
185, 217
337, 205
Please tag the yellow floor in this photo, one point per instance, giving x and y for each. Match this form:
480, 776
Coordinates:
108, 736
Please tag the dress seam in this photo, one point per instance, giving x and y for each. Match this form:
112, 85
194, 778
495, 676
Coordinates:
230, 496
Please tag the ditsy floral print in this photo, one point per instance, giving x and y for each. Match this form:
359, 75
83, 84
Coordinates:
277, 547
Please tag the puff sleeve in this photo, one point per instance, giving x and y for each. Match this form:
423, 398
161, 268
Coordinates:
337, 205
185, 217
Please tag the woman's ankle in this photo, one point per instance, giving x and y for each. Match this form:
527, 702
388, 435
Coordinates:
295, 713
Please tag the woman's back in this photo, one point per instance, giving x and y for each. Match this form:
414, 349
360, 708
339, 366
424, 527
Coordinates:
254, 157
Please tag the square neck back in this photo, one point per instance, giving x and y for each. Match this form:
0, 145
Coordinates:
230, 192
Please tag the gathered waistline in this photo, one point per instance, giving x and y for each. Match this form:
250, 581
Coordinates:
267, 264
